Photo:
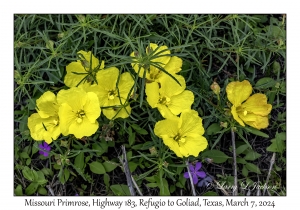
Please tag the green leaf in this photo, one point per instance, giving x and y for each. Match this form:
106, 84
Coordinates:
18, 191
131, 138
31, 188
42, 191
213, 129
27, 173
139, 130
109, 166
216, 155
120, 190
152, 185
253, 168
24, 155
252, 155
101, 147
79, 161
28, 161
256, 132
97, 168
265, 83
241, 160
210, 193
278, 144
245, 171
241, 149
106, 179
132, 166
65, 176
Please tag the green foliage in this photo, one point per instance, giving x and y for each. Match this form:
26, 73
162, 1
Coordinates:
221, 48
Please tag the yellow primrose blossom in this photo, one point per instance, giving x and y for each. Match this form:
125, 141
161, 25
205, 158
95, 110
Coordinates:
111, 96
79, 72
78, 112
169, 97
44, 125
254, 111
183, 135
141, 63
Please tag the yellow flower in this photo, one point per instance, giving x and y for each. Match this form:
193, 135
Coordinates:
78, 112
44, 125
155, 55
254, 111
112, 95
169, 97
79, 72
183, 135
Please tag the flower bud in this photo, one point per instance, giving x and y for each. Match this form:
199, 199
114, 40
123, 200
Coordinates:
215, 88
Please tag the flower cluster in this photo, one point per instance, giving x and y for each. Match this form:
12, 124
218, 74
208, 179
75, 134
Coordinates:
166, 91
93, 90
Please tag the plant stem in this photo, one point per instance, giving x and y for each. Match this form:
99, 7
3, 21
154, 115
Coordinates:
124, 162
235, 191
272, 161
191, 178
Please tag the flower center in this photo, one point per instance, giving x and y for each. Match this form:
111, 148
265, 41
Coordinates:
178, 138
80, 114
164, 100
241, 111
111, 94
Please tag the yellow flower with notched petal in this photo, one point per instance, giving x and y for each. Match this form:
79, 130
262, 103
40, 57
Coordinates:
81, 71
169, 97
183, 135
254, 111
44, 125
113, 94
78, 112
159, 56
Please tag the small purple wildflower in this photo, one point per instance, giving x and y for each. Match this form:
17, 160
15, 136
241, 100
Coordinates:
195, 172
44, 149
76, 194
205, 182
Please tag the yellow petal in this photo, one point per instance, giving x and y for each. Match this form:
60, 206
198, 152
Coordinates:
126, 83
47, 105
173, 145
152, 92
67, 117
257, 104
167, 127
36, 127
169, 87
84, 128
71, 79
174, 65
190, 123
165, 111
236, 116
161, 55
193, 146
117, 112
87, 56
180, 102
91, 107
76, 97
256, 121
237, 92
107, 78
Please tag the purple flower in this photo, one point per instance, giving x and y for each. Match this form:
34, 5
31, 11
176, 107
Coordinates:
76, 194
195, 172
205, 182
44, 149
